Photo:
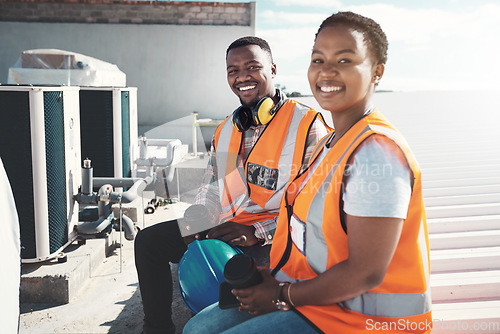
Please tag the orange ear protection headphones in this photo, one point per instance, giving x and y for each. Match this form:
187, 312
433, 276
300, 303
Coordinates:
262, 113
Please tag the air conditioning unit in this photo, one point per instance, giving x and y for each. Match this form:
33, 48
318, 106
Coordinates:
109, 129
40, 149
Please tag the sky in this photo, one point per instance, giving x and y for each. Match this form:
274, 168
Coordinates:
433, 44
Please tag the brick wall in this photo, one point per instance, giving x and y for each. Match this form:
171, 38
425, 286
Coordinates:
129, 12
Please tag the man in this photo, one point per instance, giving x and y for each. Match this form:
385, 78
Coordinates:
255, 152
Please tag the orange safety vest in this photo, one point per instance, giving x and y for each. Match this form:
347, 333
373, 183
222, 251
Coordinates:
273, 161
402, 303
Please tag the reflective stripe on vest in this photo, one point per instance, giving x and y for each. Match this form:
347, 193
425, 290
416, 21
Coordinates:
390, 304
286, 163
317, 251
225, 158
233, 196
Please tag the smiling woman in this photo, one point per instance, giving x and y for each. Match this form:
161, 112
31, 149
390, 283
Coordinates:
347, 61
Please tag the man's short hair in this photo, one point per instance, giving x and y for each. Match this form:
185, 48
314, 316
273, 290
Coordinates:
251, 40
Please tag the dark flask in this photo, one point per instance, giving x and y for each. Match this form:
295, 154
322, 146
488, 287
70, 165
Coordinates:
240, 272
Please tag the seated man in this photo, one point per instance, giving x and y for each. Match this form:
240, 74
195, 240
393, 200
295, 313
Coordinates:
255, 152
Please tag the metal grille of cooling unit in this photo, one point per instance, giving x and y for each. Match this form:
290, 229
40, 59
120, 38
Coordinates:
16, 153
56, 172
125, 101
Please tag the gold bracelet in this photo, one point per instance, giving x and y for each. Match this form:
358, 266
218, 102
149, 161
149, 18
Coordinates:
288, 294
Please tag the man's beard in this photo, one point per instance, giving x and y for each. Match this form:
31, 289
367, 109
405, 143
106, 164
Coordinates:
250, 104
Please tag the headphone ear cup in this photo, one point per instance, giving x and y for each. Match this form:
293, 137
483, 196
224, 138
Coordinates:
263, 112
242, 119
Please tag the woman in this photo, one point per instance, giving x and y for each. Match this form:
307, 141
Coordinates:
351, 248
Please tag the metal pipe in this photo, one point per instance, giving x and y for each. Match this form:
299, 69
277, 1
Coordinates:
105, 214
116, 181
87, 174
95, 227
143, 148
87, 199
131, 194
195, 133
128, 228
161, 142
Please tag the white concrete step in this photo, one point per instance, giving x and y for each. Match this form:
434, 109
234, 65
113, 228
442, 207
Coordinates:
479, 170
461, 190
458, 146
453, 155
458, 240
422, 150
464, 286
463, 224
460, 162
463, 210
468, 259
477, 181
461, 200
434, 149
469, 318
436, 175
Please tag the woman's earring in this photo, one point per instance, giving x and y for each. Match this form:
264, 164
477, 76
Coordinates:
377, 80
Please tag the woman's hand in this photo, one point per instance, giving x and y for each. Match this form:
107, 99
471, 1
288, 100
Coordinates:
234, 234
258, 299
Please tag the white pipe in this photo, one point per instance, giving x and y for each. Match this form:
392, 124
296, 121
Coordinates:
115, 181
117, 133
41, 210
128, 227
194, 129
134, 129
161, 142
131, 194
143, 148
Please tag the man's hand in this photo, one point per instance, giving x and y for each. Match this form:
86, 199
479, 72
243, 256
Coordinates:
198, 236
234, 234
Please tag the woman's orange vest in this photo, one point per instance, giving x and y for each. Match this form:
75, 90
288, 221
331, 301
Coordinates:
274, 160
402, 303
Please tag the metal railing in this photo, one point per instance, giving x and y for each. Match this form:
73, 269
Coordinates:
199, 123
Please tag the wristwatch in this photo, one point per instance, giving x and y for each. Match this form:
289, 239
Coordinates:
281, 304
260, 240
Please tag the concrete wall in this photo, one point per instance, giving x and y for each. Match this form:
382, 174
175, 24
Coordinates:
174, 52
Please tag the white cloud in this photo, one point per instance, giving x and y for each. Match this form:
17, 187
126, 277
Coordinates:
422, 26
290, 43
282, 18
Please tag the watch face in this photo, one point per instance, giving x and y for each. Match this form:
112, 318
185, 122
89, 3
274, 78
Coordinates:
281, 305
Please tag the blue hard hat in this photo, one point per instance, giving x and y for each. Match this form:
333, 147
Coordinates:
201, 270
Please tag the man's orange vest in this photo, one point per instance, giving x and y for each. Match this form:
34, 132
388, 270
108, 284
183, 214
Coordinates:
273, 161
402, 303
